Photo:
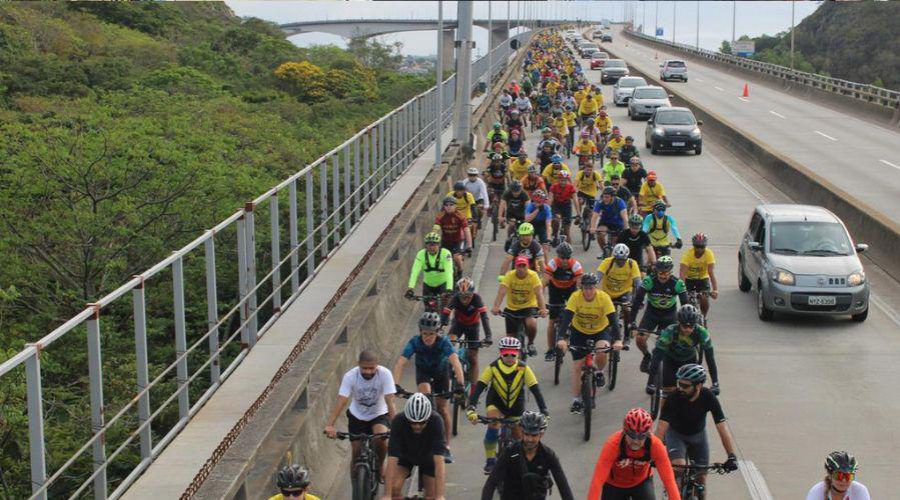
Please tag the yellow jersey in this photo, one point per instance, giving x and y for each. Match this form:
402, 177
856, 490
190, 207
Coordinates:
463, 204
615, 144
588, 185
603, 124
307, 497
550, 174
589, 106
650, 195
552, 87
618, 280
571, 118
517, 169
561, 126
697, 267
579, 96
590, 317
520, 293
585, 147
507, 382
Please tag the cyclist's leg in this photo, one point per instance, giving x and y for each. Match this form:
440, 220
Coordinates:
602, 229
512, 321
492, 433
381, 424
403, 469
530, 328
611, 492
441, 383
603, 339
555, 297
427, 474
356, 426
678, 450
648, 324
471, 333
423, 380
577, 339
566, 215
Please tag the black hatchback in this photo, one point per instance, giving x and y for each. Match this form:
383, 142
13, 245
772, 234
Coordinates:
673, 129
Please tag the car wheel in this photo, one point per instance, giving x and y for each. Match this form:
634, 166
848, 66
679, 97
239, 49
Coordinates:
629, 111
698, 150
653, 149
860, 317
764, 313
646, 144
744, 284
685, 80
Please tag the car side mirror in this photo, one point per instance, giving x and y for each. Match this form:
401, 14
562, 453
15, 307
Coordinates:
699, 122
861, 247
754, 246
650, 121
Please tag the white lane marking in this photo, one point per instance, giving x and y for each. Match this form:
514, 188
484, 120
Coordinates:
889, 164
825, 135
698, 80
744, 99
759, 490
720, 89
779, 115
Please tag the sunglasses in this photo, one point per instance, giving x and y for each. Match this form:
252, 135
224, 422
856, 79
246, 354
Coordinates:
292, 493
418, 424
509, 355
637, 436
843, 476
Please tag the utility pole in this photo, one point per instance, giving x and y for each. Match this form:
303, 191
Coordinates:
439, 78
733, 22
698, 24
674, 11
489, 55
463, 116
656, 28
792, 34
507, 16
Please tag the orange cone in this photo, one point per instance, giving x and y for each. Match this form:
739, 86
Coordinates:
746, 90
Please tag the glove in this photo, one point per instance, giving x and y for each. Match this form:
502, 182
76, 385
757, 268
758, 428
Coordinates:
471, 415
499, 278
410, 293
546, 413
731, 464
468, 252
678, 243
398, 389
715, 388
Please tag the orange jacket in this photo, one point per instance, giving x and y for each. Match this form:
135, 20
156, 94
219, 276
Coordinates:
631, 470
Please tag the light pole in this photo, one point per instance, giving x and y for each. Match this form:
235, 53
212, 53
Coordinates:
489, 56
792, 34
698, 24
656, 28
674, 11
439, 78
733, 22
462, 113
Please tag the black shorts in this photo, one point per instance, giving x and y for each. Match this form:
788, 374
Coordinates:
586, 200
655, 319
564, 211
425, 468
517, 409
540, 231
357, 426
670, 367
701, 285
578, 339
559, 296
623, 299
662, 250
643, 491
467, 332
454, 248
612, 228
440, 381
512, 324
428, 290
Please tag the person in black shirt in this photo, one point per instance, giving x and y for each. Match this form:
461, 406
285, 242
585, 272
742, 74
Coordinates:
638, 242
682, 423
417, 439
623, 193
468, 308
628, 151
512, 204
634, 176
524, 469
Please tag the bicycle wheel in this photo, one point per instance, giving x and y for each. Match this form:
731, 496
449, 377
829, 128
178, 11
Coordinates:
587, 398
362, 490
495, 224
457, 407
656, 397
612, 369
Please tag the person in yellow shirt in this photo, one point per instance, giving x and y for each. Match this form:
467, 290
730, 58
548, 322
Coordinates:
524, 293
587, 183
464, 199
579, 95
571, 122
619, 278
585, 149
651, 192
560, 127
590, 316
518, 166
588, 107
698, 271
615, 143
552, 87
603, 122
293, 481
551, 171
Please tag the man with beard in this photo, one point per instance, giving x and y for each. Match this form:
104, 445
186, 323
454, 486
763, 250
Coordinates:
370, 389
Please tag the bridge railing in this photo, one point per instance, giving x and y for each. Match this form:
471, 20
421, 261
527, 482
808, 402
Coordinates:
861, 91
195, 315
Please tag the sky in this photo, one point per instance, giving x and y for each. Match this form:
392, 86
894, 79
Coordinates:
751, 17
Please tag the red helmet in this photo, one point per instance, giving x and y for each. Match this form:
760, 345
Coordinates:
638, 420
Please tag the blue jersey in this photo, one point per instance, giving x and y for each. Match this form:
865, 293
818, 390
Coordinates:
543, 215
612, 213
430, 359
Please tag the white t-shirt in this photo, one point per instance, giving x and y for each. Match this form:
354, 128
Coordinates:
367, 396
856, 491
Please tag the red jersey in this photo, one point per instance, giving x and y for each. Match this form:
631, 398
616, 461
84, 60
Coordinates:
452, 226
623, 467
563, 278
562, 194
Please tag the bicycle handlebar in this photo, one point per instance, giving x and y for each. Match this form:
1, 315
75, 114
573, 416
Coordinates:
596, 349
516, 316
443, 395
473, 344
718, 468
359, 437
494, 420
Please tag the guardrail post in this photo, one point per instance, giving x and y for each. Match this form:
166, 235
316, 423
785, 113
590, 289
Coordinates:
335, 196
181, 368
292, 234
143, 373
36, 422
242, 279
404, 139
376, 172
212, 308
250, 241
323, 207
310, 227
357, 182
276, 254
346, 199
365, 138
95, 373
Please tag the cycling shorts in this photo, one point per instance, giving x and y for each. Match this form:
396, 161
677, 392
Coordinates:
564, 210
440, 380
613, 228
540, 232
426, 468
695, 446
493, 401
643, 491
624, 299
454, 248
357, 426
559, 296
578, 339
701, 285
656, 319
512, 324
467, 332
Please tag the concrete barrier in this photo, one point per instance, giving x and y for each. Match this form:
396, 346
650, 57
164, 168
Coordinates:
368, 313
801, 184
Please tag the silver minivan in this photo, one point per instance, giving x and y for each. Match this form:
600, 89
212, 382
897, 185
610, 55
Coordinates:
801, 260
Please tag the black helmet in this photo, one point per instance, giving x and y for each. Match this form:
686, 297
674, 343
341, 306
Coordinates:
694, 373
292, 477
515, 185
841, 461
659, 205
589, 279
533, 422
430, 321
688, 315
449, 201
564, 250
609, 190
459, 185
664, 263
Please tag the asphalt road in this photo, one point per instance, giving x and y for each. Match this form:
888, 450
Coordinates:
859, 156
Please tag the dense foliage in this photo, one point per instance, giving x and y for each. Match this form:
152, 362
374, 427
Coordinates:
126, 129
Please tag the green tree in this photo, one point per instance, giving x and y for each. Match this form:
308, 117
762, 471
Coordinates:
725, 48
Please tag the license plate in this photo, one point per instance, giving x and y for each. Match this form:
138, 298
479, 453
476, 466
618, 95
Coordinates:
822, 300
681, 144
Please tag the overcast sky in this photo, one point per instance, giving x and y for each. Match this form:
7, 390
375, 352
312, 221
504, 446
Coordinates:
752, 18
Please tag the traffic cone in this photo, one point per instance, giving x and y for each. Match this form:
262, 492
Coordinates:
746, 90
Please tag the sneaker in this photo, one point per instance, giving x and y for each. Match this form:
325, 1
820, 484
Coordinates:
577, 407
489, 466
599, 379
550, 356
532, 350
650, 389
645, 364
448, 457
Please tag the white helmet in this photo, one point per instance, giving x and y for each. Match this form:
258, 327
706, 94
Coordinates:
418, 408
472, 171
510, 343
620, 251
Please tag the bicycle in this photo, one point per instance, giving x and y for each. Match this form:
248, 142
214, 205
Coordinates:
365, 476
658, 395
416, 489
612, 367
689, 486
558, 355
520, 331
461, 393
432, 303
506, 439
589, 381
586, 236
494, 196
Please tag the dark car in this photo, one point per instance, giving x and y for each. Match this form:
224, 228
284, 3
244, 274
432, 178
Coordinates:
613, 70
673, 129
606, 37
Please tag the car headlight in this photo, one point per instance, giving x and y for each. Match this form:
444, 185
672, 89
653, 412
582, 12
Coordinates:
658, 131
783, 277
856, 279
695, 132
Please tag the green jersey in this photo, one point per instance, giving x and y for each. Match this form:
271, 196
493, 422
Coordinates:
662, 295
437, 270
680, 348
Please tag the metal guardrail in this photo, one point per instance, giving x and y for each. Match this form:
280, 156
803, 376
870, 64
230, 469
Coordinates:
861, 91
332, 195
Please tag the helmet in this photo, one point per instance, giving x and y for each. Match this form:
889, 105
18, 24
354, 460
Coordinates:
292, 477
659, 205
556, 159
539, 195
418, 408
620, 251
688, 315
509, 343
459, 185
473, 171
590, 121
699, 240
664, 263
515, 131
465, 285
496, 125
526, 228
449, 201
514, 111
694, 373
532, 169
522, 154
651, 175
841, 461
546, 130
432, 237
589, 279
609, 190
564, 174
430, 321
629, 138
564, 250
515, 185
638, 420
494, 157
635, 220
532, 422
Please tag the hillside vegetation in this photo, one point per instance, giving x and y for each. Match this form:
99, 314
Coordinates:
126, 129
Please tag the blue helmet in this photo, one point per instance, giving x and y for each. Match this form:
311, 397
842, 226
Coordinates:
556, 159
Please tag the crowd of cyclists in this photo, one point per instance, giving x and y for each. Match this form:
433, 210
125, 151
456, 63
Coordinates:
593, 313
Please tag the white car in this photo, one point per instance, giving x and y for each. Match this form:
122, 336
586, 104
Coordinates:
673, 69
625, 87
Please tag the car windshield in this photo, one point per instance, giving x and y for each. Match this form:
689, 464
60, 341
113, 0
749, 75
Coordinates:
809, 238
615, 63
601, 55
632, 82
649, 93
675, 64
675, 118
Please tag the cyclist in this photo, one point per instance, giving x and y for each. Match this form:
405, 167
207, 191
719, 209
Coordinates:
369, 387
651, 192
603, 123
560, 127
679, 344
467, 308
634, 177
588, 107
661, 290
613, 167
455, 233
615, 143
585, 148
698, 271
540, 216
516, 142
571, 121
542, 102
524, 104
524, 295
524, 469
293, 481
514, 122
839, 482
682, 423
658, 225
592, 316
561, 277
619, 278
512, 206
587, 182
638, 242
551, 172
504, 379
533, 181
593, 132
436, 266
623, 469
505, 100
546, 151
518, 166
417, 439
629, 151
563, 204
523, 245
609, 216
433, 353
623, 193
475, 186
497, 134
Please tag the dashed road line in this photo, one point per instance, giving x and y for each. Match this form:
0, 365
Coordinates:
825, 135
889, 164
743, 99
720, 89
779, 115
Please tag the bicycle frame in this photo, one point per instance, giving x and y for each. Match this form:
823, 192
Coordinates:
688, 484
365, 470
